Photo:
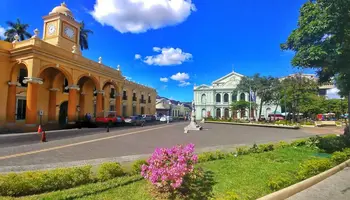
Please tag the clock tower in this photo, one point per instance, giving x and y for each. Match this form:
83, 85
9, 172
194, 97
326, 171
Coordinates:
61, 29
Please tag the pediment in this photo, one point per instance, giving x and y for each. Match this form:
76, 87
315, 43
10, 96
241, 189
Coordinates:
202, 87
231, 79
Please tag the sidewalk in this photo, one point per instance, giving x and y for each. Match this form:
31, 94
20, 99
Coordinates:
336, 187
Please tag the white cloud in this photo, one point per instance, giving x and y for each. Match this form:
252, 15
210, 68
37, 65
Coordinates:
137, 56
2, 31
184, 84
333, 93
164, 79
137, 16
168, 56
128, 78
180, 77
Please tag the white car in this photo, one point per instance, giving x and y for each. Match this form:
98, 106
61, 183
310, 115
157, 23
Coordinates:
164, 119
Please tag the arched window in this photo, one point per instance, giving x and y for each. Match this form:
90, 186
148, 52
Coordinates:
225, 98
204, 98
218, 113
234, 97
218, 98
204, 113
227, 115
242, 97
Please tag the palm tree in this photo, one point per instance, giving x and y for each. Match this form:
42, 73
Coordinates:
84, 35
17, 28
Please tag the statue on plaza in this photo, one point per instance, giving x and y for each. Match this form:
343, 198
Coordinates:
193, 126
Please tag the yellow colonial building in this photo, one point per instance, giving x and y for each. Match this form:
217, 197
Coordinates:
50, 77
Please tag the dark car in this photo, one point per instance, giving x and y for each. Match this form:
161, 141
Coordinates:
135, 120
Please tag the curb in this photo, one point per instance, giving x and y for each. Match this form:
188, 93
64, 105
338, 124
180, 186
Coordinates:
257, 125
303, 185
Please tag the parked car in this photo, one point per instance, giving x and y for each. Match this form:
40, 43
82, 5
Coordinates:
148, 118
276, 117
164, 118
135, 120
157, 117
109, 118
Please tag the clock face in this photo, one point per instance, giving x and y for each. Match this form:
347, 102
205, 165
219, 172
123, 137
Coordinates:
51, 29
69, 32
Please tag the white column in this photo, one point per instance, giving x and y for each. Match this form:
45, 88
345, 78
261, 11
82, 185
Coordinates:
222, 112
238, 96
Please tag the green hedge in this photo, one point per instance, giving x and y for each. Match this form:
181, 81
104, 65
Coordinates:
313, 167
36, 182
136, 166
28, 183
109, 170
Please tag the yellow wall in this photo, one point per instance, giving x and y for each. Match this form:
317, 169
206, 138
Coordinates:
56, 64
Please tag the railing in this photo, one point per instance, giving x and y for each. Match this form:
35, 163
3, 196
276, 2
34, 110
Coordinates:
125, 97
149, 101
134, 99
142, 101
112, 96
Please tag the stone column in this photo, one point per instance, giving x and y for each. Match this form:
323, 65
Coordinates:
99, 101
222, 112
118, 102
11, 103
52, 104
82, 105
72, 103
32, 100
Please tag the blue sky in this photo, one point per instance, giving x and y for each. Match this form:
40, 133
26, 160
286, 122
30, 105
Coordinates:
197, 42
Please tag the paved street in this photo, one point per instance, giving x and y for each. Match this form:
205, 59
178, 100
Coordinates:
336, 187
137, 140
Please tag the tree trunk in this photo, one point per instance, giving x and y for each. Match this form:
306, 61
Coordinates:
260, 109
278, 103
347, 128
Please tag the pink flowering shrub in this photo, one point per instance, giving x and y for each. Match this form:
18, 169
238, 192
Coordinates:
167, 169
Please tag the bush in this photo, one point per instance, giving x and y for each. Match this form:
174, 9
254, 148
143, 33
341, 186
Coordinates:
206, 156
313, 167
299, 143
254, 149
242, 150
281, 144
279, 182
167, 168
265, 147
333, 143
29, 183
339, 157
137, 165
347, 152
109, 170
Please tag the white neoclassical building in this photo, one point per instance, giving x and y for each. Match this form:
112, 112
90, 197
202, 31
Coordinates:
215, 100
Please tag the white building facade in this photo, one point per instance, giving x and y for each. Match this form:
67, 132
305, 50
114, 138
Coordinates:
215, 100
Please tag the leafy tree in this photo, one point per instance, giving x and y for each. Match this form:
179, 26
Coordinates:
265, 91
322, 40
277, 95
296, 92
259, 86
84, 36
241, 106
17, 28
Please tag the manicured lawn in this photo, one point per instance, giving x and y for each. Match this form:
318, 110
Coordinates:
245, 175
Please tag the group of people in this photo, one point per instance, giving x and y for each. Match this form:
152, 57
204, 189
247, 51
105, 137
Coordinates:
88, 117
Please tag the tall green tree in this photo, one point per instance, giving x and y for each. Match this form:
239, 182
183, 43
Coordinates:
322, 40
259, 86
17, 28
296, 91
84, 36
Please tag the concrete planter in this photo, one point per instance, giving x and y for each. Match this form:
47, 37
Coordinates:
254, 124
298, 187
